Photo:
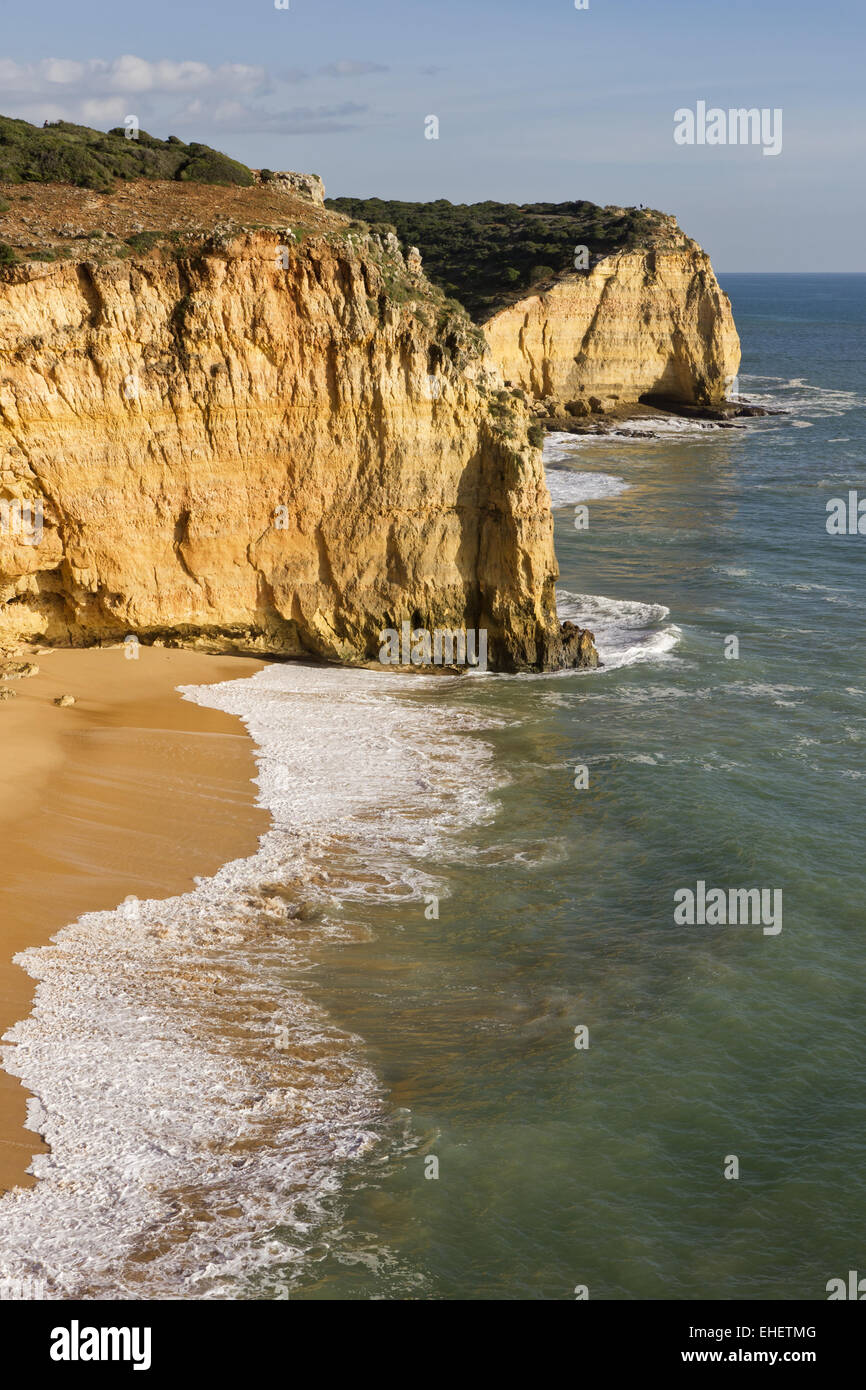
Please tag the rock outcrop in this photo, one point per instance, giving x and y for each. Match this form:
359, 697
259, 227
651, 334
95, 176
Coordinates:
636, 324
297, 185
264, 447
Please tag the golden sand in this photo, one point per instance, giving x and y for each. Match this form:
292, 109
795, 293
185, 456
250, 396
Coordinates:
131, 790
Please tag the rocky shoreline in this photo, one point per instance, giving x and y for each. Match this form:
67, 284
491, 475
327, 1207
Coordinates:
555, 419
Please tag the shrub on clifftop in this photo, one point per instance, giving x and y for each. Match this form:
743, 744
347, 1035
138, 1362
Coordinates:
62, 152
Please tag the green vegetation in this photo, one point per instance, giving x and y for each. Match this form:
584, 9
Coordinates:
209, 166
144, 241
60, 152
7, 255
485, 254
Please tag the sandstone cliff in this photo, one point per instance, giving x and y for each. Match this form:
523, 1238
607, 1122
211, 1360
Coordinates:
584, 305
644, 322
268, 440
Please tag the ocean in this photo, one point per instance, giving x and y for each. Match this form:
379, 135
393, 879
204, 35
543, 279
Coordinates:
443, 1037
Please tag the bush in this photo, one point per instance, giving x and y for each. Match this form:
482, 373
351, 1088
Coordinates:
212, 167
536, 435
62, 152
7, 255
482, 254
143, 241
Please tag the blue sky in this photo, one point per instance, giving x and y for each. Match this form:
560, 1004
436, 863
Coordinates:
536, 101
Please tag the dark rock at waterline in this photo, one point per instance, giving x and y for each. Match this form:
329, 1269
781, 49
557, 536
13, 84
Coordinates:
563, 419
724, 410
578, 647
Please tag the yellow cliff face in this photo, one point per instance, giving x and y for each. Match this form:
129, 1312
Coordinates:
652, 321
283, 451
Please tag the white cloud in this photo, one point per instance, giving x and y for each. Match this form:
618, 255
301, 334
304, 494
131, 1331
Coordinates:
168, 94
126, 75
299, 120
61, 70
104, 111
349, 68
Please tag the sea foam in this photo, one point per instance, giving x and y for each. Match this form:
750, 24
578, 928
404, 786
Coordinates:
201, 1109
626, 631
568, 485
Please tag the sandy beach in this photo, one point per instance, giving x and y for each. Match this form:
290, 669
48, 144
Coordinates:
131, 790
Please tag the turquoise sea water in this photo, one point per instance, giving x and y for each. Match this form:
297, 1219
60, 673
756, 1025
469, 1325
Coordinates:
604, 1167
346, 1067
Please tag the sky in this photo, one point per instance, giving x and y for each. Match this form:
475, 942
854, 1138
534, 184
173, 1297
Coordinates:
535, 101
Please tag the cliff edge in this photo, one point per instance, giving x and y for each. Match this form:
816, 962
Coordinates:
231, 419
586, 308
638, 325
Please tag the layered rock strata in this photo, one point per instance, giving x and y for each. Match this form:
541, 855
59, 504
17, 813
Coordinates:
264, 443
635, 325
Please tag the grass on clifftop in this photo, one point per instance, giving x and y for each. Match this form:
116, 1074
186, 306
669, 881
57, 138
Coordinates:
60, 152
486, 254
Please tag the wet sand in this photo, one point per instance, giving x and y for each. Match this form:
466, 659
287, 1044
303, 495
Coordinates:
131, 790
